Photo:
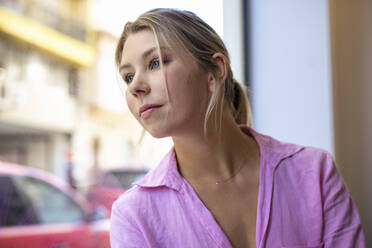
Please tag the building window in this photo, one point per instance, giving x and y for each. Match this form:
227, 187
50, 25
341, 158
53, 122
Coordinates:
73, 82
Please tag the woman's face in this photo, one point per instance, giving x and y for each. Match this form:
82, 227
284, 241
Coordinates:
184, 111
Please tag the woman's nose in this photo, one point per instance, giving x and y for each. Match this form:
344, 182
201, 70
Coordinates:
139, 85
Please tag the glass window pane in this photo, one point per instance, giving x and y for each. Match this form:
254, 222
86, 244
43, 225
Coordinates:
52, 205
15, 208
127, 178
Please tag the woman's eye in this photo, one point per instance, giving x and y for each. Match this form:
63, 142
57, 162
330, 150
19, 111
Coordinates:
154, 64
128, 78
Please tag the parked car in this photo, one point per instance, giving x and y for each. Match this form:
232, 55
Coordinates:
111, 184
38, 209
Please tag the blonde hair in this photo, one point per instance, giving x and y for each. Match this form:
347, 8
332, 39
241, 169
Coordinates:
201, 42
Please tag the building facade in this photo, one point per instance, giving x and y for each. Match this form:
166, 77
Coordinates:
57, 106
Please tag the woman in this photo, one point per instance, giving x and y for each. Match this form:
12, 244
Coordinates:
221, 185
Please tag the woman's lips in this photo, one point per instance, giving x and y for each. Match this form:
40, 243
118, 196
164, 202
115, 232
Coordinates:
146, 111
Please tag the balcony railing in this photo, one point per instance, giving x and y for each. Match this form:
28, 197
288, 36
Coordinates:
48, 16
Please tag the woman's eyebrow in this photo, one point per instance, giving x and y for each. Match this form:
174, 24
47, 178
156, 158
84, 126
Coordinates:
144, 56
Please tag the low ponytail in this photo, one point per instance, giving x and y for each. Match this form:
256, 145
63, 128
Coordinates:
241, 106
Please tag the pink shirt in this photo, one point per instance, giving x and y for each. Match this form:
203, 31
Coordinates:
302, 203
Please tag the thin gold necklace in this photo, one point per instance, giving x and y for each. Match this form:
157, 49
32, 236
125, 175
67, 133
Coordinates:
231, 177
218, 181
226, 179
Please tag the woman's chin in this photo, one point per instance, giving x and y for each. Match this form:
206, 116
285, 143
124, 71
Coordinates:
157, 133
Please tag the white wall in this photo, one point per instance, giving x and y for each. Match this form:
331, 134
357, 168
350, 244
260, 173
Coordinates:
290, 58
233, 36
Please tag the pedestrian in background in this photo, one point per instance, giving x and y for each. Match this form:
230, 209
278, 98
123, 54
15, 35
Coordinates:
69, 169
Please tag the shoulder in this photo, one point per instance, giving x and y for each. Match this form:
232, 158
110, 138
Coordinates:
135, 201
140, 203
309, 159
159, 185
310, 173
129, 217
131, 197
308, 153
289, 156
292, 160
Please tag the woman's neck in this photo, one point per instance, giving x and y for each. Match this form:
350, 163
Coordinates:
217, 156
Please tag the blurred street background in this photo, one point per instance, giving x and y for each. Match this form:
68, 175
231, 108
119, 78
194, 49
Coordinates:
307, 65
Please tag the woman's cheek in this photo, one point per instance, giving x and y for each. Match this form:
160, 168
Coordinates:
131, 104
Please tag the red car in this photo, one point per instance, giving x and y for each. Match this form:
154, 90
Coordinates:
38, 209
111, 184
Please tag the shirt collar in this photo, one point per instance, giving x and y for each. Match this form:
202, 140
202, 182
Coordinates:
166, 174
272, 150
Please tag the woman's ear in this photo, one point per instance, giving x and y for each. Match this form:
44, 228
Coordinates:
218, 78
